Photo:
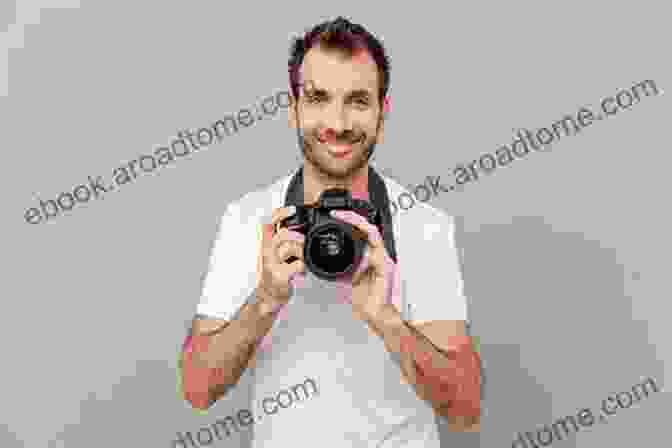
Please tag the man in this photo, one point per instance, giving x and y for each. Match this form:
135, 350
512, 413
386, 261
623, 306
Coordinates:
396, 350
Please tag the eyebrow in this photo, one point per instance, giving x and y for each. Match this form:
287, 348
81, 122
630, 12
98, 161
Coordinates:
354, 93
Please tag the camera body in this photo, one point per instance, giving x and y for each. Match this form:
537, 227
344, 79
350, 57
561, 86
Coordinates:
333, 248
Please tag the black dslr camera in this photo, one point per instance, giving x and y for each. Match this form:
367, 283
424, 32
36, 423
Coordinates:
333, 248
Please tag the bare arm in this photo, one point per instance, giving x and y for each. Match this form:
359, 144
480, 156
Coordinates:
219, 351
437, 360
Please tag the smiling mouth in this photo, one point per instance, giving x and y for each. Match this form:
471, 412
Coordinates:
339, 149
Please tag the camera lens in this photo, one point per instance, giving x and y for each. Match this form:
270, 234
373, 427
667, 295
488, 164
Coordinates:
331, 250
330, 244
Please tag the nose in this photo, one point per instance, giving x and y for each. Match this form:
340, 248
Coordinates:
335, 120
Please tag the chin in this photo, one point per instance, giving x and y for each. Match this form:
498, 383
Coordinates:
326, 164
338, 168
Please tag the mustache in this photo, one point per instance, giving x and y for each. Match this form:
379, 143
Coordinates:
346, 137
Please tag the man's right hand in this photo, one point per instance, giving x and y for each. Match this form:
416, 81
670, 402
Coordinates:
275, 287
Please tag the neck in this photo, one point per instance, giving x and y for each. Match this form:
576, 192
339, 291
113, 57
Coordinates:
314, 183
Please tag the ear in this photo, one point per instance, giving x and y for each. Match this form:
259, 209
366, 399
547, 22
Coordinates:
381, 132
381, 129
291, 113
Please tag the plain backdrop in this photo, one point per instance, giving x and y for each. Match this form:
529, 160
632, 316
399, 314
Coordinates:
565, 253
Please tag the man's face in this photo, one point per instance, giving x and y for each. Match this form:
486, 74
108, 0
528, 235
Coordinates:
339, 113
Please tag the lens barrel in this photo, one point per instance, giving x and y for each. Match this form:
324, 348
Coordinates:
331, 250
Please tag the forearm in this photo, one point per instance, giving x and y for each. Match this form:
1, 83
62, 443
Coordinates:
213, 362
458, 382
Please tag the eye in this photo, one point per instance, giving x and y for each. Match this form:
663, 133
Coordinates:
312, 99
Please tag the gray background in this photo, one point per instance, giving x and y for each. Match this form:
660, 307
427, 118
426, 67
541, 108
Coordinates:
564, 252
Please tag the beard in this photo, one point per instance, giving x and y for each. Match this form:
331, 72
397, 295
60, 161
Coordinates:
338, 170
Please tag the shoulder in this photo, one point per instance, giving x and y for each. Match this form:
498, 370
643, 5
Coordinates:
254, 206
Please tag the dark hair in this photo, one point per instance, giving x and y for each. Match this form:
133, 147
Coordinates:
339, 34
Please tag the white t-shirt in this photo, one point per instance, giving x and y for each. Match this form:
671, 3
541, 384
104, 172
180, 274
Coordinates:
357, 394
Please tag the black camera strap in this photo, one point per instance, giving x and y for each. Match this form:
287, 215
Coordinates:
377, 195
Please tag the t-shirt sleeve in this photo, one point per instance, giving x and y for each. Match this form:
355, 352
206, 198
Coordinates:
434, 285
233, 266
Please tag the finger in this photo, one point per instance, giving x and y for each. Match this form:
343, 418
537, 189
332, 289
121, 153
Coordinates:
285, 235
279, 214
370, 231
287, 250
288, 242
375, 253
269, 224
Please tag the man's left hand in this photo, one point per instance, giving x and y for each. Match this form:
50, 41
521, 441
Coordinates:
371, 287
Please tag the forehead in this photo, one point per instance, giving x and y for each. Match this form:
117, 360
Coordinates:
334, 71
